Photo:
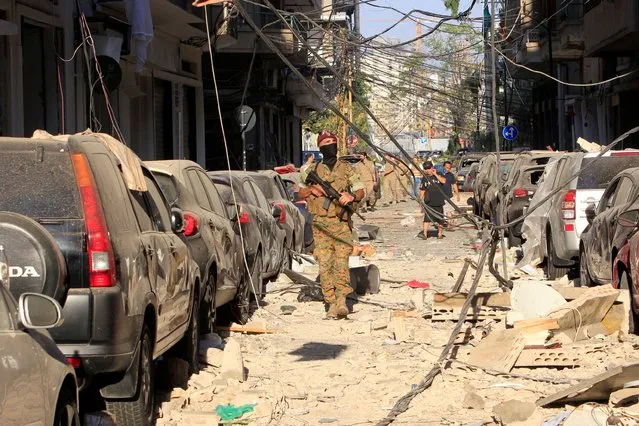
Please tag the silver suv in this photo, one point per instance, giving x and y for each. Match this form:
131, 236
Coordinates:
567, 214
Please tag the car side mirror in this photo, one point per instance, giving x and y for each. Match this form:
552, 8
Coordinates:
177, 220
629, 218
277, 211
39, 311
590, 213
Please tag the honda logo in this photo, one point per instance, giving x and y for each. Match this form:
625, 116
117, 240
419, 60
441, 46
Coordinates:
23, 272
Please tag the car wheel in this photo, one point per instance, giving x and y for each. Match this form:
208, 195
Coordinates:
139, 410
66, 410
626, 284
190, 345
584, 275
554, 271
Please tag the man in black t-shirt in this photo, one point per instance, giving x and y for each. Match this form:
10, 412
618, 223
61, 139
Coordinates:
432, 193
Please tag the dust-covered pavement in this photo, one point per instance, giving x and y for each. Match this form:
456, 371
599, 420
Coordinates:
351, 372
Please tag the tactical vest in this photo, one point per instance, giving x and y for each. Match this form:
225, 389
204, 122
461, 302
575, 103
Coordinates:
338, 178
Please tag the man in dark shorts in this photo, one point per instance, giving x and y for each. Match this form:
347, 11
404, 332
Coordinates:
432, 193
450, 187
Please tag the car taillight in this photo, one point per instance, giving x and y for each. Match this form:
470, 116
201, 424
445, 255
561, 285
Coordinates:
74, 361
191, 224
568, 211
282, 218
244, 216
520, 193
99, 249
624, 153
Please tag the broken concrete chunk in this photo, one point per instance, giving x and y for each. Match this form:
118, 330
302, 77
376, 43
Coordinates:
535, 300
589, 308
514, 411
473, 401
232, 361
211, 356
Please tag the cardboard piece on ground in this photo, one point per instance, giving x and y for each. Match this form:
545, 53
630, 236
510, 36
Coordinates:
597, 388
499, 350
405, 314
589, 308
399, 329
535, 300
618, 317
454, 300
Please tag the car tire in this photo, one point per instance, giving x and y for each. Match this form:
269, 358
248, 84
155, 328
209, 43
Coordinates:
626, 284
138, 411
190, 344
554, 272
584, 275
66, 409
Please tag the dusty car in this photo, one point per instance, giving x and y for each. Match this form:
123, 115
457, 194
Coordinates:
517, 200
259, 224
212, 238
39, 385
292, 185
132, 286
625, 265
567, 215
464, 165
469, 178
488, 181
604, 235
291, 219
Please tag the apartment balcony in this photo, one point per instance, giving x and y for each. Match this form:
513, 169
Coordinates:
528, 50
570, 27
611, 27
174, 17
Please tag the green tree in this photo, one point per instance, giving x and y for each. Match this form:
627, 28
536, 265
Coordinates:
452, 5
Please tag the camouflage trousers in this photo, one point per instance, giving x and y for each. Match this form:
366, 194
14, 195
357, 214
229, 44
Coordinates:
391, 189
370, 197
333, 246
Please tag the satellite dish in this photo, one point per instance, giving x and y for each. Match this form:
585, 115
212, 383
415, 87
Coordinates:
111, 73
245, 116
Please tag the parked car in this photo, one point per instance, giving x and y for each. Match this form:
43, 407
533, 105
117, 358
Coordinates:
259, 225
567, 220
469, 178
604, 235
625, 267
133, 290
212, 239
464, 165
39, 385
291, 183
488, 181
517, 199
291, 219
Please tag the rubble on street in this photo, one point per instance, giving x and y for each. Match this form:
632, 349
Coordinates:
549, 352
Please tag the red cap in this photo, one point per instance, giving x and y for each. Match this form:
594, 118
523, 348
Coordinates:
326, 135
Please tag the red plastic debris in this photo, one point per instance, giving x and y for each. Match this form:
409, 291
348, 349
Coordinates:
417, 284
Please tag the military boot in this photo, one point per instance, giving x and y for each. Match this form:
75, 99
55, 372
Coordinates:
332, 312
342, 309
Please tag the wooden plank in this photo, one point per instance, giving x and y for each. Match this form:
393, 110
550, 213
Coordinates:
537, 324
597, 388
399, 329
405, 314
250, 328
498, 351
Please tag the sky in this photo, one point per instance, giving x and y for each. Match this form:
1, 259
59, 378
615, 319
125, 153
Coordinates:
375, 20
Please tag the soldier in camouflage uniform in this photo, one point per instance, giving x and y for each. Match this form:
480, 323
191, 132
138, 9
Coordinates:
333, 234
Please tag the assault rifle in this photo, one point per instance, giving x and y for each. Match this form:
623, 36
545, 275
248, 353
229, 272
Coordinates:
332, 196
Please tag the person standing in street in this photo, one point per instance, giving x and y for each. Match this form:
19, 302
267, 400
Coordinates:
309, 160
450, 187
390, 182
332, 225
433, 196
368, 174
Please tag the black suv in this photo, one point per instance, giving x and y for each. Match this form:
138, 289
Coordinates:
132, 290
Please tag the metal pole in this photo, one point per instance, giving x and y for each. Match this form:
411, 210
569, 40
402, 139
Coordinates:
496, 130
244, 150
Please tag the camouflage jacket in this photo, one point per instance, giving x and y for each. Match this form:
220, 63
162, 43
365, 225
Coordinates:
343, 178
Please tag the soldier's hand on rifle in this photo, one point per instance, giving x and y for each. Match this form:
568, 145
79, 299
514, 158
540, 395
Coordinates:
318, 191
346, 198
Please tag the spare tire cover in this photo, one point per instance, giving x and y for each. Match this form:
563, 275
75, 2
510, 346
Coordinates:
35, 261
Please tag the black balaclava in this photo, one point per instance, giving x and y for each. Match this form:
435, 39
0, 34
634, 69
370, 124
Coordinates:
329, 153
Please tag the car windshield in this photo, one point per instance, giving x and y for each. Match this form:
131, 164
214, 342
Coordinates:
39, 187
601, 173
265, 185
227, 196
